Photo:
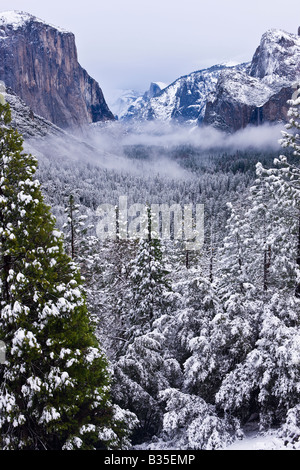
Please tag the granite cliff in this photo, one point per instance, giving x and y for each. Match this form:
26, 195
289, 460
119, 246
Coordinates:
39, 63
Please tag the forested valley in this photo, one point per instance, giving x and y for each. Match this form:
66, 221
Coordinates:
199, 346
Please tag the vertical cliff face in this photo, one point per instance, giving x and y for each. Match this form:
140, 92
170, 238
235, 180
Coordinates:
39, 62
260, 93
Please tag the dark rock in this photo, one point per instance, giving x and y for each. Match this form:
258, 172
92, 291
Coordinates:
39, 62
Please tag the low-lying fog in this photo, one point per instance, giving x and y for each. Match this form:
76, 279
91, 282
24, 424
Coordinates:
147, 147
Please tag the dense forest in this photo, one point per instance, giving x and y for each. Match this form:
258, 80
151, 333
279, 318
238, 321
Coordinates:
141, 343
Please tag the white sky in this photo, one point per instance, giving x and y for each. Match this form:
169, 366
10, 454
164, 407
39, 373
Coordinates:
129, 43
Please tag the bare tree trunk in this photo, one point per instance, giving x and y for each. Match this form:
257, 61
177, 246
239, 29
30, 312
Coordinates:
187, 259
267, 264
297, 290
72, 227
211, 261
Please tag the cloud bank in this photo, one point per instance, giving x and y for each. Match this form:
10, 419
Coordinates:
106, 145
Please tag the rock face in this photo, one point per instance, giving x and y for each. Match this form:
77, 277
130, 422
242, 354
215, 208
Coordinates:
154, 90
240, 100
260, 93
39, 63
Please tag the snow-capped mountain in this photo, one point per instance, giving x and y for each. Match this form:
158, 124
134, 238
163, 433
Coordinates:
154, 90
39, 62
130, 99
230, 96
121, 100
183, 100
15, 19
277, 59
259, 93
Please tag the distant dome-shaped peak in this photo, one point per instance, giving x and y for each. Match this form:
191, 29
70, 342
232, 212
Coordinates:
17, 19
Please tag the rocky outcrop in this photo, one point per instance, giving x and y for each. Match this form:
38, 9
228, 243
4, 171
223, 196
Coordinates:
240, 100
230, 116
39, 62
277, 58
260, 93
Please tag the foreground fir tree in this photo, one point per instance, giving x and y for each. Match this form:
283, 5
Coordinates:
54, 391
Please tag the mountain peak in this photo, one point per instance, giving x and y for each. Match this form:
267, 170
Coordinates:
278, 55
16, 19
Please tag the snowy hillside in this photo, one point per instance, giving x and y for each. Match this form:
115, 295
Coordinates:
183, 101
26, 121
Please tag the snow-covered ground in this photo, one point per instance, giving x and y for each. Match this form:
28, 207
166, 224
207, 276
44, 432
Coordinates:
254, 441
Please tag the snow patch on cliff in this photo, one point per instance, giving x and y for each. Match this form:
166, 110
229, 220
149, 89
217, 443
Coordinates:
17, 19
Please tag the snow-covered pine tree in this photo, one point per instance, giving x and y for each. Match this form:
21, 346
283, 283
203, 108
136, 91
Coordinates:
190, 328
54, 391
232, 330
141, 371
149, 284
291, 140
266, 382
190, 423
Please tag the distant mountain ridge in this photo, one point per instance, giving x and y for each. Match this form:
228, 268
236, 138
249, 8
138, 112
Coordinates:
230, 97
183, 100
124, 100
39, 63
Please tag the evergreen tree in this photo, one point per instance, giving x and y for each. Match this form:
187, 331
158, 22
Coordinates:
190, 423
54, 391
143, 368
266, 380
190, 330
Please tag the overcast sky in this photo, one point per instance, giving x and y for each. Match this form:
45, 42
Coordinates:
126, 44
